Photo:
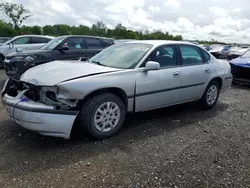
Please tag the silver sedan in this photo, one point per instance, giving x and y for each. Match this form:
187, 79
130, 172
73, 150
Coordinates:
128, 77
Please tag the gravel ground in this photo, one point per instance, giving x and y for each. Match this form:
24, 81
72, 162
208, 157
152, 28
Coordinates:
3, 77
173, 147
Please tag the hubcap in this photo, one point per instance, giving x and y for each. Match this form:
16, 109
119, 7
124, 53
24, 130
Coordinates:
212, 93
107, 116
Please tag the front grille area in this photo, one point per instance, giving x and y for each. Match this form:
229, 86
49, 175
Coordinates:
33, 93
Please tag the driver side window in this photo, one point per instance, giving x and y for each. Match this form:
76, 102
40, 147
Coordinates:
166, 56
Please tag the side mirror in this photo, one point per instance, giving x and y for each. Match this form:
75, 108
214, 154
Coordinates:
63, 48
11, 45
152, 65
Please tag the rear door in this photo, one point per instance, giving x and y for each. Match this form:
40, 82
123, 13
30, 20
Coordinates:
38, 42
94, 46
196, 72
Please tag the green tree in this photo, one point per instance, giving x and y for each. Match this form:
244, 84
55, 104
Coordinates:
49, 30
61, 29
26, 30
99, 29
37, 30
120, 32
16, 12
6, 30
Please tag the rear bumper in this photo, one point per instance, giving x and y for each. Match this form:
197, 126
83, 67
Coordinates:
39, 117
226, 84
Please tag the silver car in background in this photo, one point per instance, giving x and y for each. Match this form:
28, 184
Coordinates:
128, 77
21, 43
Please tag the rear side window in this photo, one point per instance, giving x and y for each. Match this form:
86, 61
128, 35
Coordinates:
38, 40
206, 56
22, 40
74, 43
191, 55
94, 43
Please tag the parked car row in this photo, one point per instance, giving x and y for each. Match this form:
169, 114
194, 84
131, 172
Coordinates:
60, 48
20, 43
96, 93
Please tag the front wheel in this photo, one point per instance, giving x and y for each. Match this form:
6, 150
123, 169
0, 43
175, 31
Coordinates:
211, 95
102, 116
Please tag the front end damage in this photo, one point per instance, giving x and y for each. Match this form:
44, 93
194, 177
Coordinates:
38, 108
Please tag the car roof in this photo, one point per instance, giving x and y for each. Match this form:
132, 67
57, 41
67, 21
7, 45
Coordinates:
160, 42
44, 36
89, 36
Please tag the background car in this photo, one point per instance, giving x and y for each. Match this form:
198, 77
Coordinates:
236, 52
60, 48
241, 68
128, 77
23, 42
4, 39
220, 51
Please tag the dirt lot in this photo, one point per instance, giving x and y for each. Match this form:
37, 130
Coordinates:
3, 77
172, 147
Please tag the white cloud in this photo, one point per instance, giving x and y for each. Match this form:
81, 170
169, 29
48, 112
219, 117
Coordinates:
172, 3
154, 8
223, 20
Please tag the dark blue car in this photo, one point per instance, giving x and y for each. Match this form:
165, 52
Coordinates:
240, 68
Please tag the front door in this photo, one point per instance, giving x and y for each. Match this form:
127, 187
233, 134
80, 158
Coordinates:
159, 88
196, 71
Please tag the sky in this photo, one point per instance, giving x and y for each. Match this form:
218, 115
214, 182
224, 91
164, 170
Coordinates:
223, 20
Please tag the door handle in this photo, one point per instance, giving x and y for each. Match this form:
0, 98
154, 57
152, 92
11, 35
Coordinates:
177, 73
207, 71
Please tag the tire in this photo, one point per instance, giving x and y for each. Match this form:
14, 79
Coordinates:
206, 102
89, 113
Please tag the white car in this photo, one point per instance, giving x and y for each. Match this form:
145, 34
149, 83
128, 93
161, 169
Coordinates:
127, 77
22, 42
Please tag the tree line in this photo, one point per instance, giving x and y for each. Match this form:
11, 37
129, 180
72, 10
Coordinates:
18, 14
98, 29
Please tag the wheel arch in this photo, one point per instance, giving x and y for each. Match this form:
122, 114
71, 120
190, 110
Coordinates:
217, 79
114, 90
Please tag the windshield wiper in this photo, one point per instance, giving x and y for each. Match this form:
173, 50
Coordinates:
98, 63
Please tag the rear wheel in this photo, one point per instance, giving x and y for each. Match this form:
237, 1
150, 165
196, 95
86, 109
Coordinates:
102, 116
211, 95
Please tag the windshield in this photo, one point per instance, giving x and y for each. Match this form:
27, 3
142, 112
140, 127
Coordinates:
124, 56
247, 54
53, 43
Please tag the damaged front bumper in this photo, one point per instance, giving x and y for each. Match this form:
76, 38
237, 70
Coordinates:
39, 117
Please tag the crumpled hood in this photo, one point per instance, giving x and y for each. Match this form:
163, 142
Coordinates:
50, 74
242, 62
